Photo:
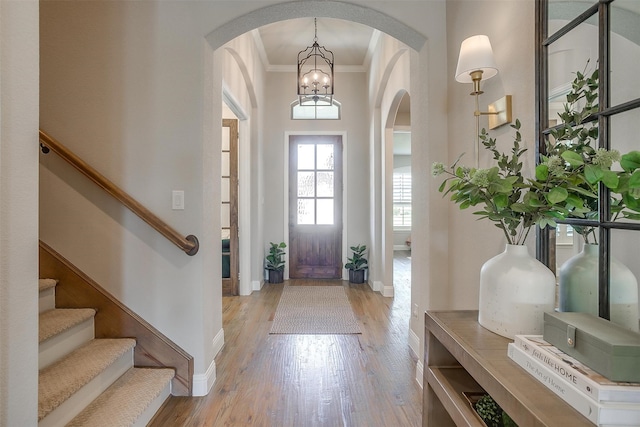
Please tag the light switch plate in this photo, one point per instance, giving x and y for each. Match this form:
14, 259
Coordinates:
177, 200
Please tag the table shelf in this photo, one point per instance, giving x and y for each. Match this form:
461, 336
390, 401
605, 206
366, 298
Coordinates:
461, 356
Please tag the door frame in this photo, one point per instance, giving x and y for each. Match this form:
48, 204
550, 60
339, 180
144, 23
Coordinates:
345, 205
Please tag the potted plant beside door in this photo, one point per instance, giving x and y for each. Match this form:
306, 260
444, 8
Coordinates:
357, 264
274, 262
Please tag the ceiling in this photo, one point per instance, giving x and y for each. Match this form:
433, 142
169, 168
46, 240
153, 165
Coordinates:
350, 42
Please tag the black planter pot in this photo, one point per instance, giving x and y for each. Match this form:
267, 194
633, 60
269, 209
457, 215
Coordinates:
276, 276
356, 276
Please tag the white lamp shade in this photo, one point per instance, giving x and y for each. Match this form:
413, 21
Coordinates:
475, 54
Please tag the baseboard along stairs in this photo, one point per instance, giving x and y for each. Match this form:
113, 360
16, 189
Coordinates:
84, 381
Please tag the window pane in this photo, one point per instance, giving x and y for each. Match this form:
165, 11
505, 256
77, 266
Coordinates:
303, 112
325, 211
310, 111
624, 273
306, 156
402, 216
625, 51
225, 215
306, 213
306, 184
225, 164
623, 126
577, 51
325, 184
225, 197
562, 11
325, 156
226, 138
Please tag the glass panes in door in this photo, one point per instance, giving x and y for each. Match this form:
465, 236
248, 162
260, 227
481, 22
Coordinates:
315, 184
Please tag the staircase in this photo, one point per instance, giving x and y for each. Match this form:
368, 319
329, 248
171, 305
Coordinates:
85, 381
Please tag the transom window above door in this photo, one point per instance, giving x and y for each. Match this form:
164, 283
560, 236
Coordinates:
310, 110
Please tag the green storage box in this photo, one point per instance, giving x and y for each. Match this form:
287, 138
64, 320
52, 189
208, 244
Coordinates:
605, 347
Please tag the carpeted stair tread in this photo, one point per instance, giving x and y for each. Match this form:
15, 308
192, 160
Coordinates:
123, 402
44, 284
62, 379
55, 321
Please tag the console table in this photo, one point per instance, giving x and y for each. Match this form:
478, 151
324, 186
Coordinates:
461, 356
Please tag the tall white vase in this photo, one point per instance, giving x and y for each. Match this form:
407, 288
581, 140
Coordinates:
515, 291
578, 280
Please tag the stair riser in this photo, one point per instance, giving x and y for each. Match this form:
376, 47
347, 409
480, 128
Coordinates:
47, 300
151, 410
76, 403
64, 343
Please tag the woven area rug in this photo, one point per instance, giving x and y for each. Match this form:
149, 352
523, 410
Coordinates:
314, 310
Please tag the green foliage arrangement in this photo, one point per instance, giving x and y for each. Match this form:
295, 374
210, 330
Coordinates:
566, 181
357, 261
511, 201
572, 169
275, 259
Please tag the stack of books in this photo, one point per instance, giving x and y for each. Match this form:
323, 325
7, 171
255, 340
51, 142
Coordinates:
604, 402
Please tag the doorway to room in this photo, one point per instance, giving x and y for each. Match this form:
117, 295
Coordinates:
315, 206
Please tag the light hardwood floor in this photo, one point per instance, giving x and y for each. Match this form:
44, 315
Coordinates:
308, 380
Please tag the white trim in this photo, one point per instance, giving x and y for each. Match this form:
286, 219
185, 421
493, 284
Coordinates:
257, 284
387, 291
377, 286
345, 150
231, 102
202, 383
420, 373
245, 207
414, 343
218, 342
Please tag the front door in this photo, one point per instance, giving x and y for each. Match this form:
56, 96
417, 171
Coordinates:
315, 207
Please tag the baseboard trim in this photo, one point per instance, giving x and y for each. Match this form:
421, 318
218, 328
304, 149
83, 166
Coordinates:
420, 373
414, 343
387, 291
257, 285
218, 342
203, 383
377, 286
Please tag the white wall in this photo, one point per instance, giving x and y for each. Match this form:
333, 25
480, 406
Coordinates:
122, 86
243, 77
510, 27
280, 93
18, 213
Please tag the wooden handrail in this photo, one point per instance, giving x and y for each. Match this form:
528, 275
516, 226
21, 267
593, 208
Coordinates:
187, 244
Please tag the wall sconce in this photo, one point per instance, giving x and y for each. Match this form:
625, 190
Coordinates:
476, 63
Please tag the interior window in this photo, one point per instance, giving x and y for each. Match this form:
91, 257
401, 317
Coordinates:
310, 110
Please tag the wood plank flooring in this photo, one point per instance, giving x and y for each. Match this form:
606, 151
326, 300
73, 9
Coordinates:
364, 379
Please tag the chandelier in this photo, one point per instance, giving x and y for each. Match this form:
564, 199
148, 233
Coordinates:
315, 73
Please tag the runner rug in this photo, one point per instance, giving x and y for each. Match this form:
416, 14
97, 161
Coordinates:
314, 310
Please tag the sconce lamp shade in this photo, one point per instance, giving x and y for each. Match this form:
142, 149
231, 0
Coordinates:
475, 55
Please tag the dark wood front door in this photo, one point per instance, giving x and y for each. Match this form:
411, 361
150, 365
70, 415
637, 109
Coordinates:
315, 207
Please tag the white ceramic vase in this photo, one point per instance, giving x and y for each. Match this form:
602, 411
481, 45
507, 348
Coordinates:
578, 280
515, 291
